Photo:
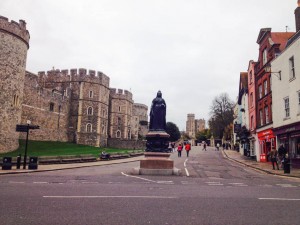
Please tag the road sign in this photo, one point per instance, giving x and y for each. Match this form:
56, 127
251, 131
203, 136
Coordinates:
22, 128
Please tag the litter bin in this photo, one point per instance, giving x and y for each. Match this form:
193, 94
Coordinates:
33, 163
6, 164
18, 161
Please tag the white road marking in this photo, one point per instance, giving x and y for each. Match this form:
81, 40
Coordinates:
138, 177
16, 182
286, 185
280, 199
185, 162
187, 172
99, 196
165, 182
90, 182
216, 184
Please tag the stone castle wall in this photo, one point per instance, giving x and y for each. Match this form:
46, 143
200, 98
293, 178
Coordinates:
120, 113
14, 43
48, 108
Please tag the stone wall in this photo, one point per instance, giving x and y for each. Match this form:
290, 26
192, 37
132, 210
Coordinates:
48, 108
14, 43
126, 144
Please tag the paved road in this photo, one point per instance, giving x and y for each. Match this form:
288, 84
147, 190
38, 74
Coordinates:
212, 190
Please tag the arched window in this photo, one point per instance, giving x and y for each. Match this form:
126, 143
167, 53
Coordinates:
118, 134
89, 128
90, 111
16, 100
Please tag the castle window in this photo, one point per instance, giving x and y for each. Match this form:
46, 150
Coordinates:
91, 94
51, 107
103, 113
118, 134
89, 128
16, 100
90, 111
59, 108
119, 108
52, 92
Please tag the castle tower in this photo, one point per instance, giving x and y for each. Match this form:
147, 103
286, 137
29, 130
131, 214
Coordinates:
190, 125
14, 43
121, 104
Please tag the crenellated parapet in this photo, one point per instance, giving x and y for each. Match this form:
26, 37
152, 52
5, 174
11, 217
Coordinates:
120, 94
16, 29
75, 75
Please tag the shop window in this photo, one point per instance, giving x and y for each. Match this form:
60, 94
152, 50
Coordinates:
287, 107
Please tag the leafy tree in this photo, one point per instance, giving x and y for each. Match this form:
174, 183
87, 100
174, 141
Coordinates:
203, 135
221, 112
173, 131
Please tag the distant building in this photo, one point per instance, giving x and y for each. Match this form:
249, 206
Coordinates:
193, 126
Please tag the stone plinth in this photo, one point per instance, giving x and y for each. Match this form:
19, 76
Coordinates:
156, 163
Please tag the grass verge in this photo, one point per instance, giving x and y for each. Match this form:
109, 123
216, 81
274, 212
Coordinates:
50, 148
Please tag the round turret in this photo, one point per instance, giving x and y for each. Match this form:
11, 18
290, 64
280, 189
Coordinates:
14, 43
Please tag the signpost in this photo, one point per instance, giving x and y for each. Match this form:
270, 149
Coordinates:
26, 128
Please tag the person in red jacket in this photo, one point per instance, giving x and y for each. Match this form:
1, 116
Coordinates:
187, 149
179, 149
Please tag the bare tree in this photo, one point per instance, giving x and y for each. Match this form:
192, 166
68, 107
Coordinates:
221, 112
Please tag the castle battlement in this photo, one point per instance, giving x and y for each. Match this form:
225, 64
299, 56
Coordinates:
120, 93
79, 75
16, 29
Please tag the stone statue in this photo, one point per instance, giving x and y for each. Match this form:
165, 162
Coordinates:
158, 114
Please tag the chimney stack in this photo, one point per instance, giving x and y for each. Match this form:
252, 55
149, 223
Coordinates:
297, 17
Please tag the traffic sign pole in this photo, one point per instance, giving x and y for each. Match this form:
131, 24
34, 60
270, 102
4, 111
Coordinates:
25, 155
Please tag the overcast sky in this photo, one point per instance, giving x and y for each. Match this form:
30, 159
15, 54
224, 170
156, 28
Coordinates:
191, 50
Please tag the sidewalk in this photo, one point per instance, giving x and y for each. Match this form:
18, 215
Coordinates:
52, 167
266, 167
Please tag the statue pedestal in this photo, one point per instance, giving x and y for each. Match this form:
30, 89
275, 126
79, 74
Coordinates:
157, 141
157, 163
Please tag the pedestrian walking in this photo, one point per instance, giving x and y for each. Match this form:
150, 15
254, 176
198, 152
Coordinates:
173, 146
187, 149
218, 146
204, 147
179, 150
281, 154
273, 156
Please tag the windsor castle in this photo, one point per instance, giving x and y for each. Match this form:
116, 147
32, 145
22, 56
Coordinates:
76, 105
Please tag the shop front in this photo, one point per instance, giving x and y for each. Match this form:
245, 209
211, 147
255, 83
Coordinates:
289, 136
266, 141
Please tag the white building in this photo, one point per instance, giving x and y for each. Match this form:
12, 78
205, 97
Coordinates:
286, 97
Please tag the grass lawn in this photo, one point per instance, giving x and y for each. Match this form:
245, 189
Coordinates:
50, 148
